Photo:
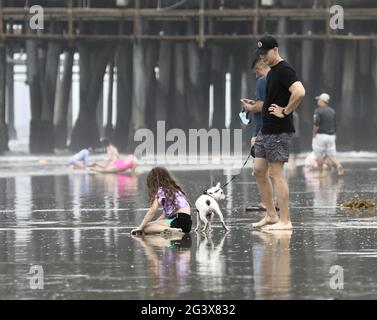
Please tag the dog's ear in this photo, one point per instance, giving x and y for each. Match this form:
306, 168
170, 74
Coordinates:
218, 185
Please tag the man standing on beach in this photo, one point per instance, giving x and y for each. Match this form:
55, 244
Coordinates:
284, 94
261, 70
324, 129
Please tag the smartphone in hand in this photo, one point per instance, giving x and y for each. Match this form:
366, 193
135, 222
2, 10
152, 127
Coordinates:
244, 100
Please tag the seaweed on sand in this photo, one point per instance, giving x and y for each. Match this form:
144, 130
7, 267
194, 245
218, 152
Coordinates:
359, 204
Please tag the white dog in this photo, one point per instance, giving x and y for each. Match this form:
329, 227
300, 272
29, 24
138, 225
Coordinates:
206, 206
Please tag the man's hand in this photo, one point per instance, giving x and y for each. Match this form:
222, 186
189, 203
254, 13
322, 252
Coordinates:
248, 104
276, 110
248, 101
315, 131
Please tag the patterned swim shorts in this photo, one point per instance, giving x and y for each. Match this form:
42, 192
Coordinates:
273, 147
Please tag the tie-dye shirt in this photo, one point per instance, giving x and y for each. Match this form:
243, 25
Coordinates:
170, 210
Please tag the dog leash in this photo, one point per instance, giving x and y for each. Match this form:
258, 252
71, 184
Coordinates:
252, 153
244, 164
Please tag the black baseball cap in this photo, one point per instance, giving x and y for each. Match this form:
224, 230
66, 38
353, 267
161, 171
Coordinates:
266, 43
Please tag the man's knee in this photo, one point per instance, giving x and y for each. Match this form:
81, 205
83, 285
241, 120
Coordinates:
260, 172
276, 169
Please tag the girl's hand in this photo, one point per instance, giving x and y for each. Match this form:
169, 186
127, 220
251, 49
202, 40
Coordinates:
137, 231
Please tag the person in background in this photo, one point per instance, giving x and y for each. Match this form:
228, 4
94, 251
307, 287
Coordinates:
111, 153
255, 107
261, 70
324, 134
80, 160
294, 148
118, 165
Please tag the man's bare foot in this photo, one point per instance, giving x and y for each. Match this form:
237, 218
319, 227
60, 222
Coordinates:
278, 234
262, 235
266, 220
279, 226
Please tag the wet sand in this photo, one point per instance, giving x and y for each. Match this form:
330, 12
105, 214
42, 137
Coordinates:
76, 227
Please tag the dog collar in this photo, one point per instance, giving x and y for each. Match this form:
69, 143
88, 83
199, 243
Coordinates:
210, 194
207, 194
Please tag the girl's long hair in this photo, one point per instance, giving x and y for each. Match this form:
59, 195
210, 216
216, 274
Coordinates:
159, 177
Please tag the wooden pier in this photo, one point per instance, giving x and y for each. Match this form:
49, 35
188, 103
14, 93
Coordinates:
192, 45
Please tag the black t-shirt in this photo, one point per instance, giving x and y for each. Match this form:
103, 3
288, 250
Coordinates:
279, 79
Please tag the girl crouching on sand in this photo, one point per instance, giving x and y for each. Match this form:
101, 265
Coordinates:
164, 191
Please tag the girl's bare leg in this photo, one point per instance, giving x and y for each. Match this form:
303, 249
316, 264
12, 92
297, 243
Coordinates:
78, 165
158, 227
109, 169
102, 164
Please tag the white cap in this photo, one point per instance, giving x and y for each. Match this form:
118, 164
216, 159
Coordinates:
324, 97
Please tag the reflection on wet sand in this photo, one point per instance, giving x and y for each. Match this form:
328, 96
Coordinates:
272, 265
77, 227
325, 188
117, 186
210, 261
169, 262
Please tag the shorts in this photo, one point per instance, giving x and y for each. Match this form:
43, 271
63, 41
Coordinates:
128, 163
273, 147
324, 145
181, 221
